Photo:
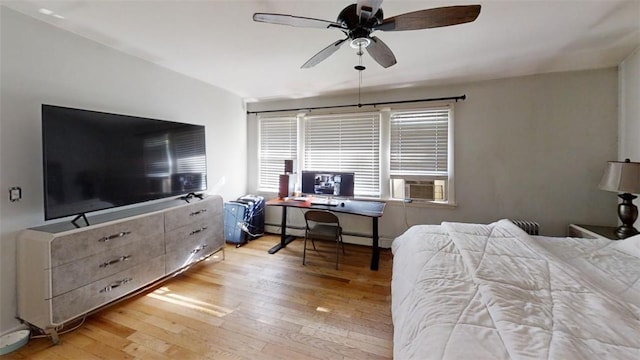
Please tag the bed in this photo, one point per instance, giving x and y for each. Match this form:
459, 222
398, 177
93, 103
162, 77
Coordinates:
475, 291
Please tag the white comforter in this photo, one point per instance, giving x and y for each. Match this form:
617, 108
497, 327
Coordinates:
470, 291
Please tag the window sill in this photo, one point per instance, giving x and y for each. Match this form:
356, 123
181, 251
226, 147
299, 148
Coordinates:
421, 204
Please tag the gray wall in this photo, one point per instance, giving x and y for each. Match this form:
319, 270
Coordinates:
630, 108
43, 64
530, 148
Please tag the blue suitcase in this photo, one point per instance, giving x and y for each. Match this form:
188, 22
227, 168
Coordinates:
235, 214
254, 220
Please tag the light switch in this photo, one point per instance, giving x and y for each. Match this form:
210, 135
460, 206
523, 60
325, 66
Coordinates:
15, 193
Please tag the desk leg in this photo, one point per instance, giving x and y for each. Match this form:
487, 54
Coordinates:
284, 239
375, 252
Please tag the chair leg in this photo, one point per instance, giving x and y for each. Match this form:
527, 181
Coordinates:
338, 251
304, 252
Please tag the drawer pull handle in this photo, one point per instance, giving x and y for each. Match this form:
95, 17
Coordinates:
198, 230
199, 248
114, 236
115, 261
115, 285
198, 212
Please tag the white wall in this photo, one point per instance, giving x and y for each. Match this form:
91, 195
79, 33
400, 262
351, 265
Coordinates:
529, 148
43, 64
629, 80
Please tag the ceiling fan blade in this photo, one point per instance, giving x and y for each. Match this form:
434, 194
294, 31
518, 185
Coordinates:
292, 20
365, 9
323, 54
431, 18
381, 53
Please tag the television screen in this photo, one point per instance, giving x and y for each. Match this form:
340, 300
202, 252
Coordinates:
95, 160
327, 183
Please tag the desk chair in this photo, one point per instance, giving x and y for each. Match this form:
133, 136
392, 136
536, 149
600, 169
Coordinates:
322, 225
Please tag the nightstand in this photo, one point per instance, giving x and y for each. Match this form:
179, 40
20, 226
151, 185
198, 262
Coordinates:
592, 232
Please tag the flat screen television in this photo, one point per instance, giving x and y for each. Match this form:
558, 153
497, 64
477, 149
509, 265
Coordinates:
328, 183
95, 160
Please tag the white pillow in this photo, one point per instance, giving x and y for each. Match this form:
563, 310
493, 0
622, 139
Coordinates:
630, 245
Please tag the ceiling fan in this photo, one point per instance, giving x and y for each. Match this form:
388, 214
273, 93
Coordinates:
358, 21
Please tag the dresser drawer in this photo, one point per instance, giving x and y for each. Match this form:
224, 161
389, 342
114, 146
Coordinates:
188, 235
217, 236
191, 243
192, 213
188, 253
73, 275
101, 292
83, 243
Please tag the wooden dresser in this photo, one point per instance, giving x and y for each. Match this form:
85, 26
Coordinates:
66, 272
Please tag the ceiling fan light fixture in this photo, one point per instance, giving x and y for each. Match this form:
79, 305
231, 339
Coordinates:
361, 42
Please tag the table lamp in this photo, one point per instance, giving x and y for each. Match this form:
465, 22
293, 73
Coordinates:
623, 177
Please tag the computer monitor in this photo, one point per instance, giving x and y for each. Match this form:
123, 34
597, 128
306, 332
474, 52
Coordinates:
328, 183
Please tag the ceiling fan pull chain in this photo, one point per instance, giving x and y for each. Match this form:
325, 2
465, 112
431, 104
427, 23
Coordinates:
359, 85
359, 67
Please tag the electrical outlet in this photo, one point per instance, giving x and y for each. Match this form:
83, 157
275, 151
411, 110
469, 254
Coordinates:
15, 194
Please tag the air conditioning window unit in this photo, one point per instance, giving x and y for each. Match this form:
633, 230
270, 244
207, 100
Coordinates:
421, 190
418, 189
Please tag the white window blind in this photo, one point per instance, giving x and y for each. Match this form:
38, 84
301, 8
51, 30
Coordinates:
278, 142
419, 142
345, 142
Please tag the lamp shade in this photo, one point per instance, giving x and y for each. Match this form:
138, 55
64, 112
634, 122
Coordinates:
622, 177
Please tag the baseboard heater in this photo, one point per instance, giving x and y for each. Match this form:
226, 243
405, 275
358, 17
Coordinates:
531, 227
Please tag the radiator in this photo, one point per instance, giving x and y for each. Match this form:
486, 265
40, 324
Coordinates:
531, 227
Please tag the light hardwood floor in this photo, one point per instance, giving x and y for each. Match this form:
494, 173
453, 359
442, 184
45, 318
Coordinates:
252, 305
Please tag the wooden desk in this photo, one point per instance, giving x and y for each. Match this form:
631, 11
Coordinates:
372, 209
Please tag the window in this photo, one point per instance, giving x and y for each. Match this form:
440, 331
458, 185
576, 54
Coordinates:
278, 142
345, 142
397, 154
419, 154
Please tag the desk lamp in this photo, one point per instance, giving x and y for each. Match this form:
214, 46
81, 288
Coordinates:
623, 177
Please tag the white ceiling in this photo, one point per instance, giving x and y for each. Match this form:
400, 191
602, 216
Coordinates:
217, 41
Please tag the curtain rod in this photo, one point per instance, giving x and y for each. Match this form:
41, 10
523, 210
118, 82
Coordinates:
456, 98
